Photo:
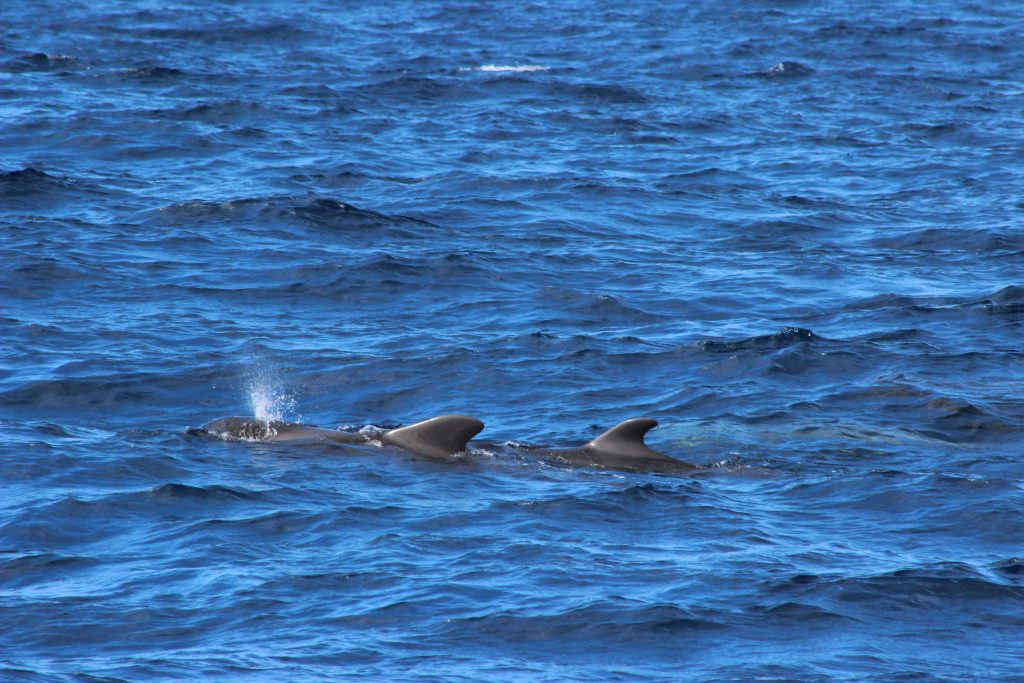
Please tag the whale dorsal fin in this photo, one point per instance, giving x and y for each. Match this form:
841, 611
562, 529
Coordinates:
437, 437
627, 439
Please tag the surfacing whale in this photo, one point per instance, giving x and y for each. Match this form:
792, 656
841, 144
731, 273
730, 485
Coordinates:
620, 448
438, 437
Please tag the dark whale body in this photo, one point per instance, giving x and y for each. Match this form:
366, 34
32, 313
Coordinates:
438, 437
620, 448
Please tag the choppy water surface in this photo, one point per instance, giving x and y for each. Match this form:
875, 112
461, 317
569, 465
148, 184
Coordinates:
791, 232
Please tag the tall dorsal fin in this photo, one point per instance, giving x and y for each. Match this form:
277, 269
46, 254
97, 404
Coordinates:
627, 439
437, 437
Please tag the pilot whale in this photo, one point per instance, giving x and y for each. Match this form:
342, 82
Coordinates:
438, 437
620, 448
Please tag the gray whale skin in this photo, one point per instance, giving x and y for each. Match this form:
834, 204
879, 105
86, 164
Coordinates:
438, 437
621, 448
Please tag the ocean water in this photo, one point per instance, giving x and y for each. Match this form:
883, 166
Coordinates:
788, 231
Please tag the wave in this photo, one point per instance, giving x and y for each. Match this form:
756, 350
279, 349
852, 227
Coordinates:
31, 191
219, 112
436, 89
40, 61
417, 89
274, 211
602, 621
605, 308
787, 70
33, 275
73, 523
764, 236
498, 68
25, 570
924, 587
784, 338
97, 388
600, 93
154, 73
964, 422
30, 180
1008, 301
29, 676
1010, 567
169, 493
994, 243
363, 279
648, 501
238, 31
316, 92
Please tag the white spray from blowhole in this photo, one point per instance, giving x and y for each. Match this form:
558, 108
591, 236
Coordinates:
268, 400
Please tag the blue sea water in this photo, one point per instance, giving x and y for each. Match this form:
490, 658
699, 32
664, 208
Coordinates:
788, 231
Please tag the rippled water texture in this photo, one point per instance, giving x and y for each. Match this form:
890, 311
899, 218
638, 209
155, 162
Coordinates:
790, 232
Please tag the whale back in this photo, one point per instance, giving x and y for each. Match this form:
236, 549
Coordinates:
622, 447
438, 437
248, 429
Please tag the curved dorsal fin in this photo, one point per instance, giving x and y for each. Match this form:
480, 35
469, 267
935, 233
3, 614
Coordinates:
437, 437
627, 439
